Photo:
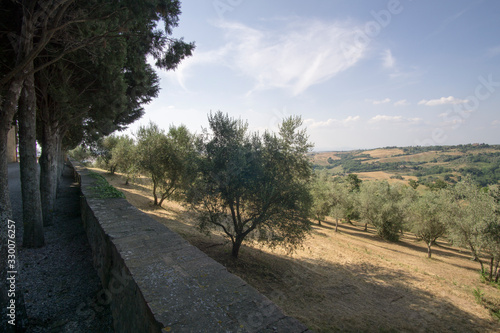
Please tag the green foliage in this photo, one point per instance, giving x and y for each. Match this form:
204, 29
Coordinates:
478, 295
385, 207
413, 183
123, 156
345, 197
251, 184
323, 198
471, 219
102, 150
80, 154
425, 217
482, 165
102, 189
166, 158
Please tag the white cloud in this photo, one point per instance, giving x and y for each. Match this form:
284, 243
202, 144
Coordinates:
388, 59
442, 101
395, 119
380, 118
184, 71
402, 102
383, 101
496, 123
311, 123
295, 57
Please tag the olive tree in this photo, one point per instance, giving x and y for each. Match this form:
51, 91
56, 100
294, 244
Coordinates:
103, 149
345, 197
425, 217
471, 218
321, 191
249, 183
493, 235
123, 157
382, 205
165, 158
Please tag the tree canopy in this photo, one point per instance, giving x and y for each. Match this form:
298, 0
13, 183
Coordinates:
83, 70
253, 184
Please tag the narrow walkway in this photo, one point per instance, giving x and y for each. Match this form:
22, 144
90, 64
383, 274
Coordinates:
61, 288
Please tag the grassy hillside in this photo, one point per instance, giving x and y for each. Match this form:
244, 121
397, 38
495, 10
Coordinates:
427, 164
351, 280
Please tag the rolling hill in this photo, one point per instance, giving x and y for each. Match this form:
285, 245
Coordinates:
431, 166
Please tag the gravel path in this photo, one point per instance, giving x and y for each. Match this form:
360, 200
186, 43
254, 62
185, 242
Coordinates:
61, 287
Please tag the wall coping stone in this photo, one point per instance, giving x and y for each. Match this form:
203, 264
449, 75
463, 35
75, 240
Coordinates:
157, 282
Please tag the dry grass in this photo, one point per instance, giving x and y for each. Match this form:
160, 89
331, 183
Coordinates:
420, 157
322, 158
383, 153
349, 281
382, 175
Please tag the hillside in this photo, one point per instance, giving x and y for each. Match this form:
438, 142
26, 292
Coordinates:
351, 280
429, 165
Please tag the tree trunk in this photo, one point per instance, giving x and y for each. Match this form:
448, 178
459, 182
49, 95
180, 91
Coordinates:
5, 215
337, 224
236, 246
497, 274
5, 205
7, 113
429, 251
49, 171
492, 263
366, 227
154, 193
30, 179
476, 257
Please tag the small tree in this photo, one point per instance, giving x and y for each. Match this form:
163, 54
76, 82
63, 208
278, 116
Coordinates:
337, 196
248, 183
493, 235
413, 183
345, 197
123, 157
103, 151
470, 214
164, 157
426, 218
321, 191
370, 202
381, 205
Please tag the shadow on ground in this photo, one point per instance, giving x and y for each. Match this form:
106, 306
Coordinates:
331, 297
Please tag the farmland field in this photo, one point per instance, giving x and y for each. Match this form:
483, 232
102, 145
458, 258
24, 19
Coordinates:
425, 164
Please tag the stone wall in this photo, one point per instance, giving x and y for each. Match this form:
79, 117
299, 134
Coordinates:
157, 282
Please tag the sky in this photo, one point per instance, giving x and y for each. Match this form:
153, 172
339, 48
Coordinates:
362, 74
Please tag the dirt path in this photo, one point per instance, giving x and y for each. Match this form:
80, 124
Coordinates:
351, 280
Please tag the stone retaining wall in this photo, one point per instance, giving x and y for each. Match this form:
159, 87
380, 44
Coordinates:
157, 282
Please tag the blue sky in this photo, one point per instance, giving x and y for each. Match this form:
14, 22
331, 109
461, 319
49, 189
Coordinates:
362, 74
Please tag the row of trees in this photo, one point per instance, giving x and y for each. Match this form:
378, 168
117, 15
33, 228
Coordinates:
246, 184
72, 71
468, 215
263, 185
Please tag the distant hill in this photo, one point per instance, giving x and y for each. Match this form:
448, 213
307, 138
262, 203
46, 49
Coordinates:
431, 165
